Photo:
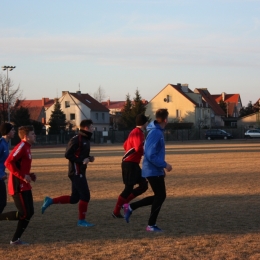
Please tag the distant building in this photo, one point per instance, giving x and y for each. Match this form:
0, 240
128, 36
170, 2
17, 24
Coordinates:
78, 106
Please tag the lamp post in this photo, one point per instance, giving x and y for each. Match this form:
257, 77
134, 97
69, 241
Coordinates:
10, 68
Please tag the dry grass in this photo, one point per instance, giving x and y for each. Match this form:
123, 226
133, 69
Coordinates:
212, 210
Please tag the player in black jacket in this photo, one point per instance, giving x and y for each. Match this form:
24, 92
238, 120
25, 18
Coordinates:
78, 155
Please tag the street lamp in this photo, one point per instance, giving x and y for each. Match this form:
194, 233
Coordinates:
10, 68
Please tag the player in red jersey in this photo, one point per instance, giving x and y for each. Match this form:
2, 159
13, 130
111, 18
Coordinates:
131, 171
19, 164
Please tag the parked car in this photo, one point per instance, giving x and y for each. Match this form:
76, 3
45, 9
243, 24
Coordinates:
253, 133
217, 134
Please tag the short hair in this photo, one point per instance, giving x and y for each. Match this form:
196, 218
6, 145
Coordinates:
24, 130
161, 114
85, 123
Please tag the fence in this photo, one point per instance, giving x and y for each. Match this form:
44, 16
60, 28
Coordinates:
120, 136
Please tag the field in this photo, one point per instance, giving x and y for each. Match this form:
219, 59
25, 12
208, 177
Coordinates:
212, 209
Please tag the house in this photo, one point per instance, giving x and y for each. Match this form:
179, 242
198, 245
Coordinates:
184, 106
233, 105
36, 108
250, 121
78, 106
216, 114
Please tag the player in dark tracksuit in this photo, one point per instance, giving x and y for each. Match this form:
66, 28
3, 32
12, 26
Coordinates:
131, 171
19, 165
78, 155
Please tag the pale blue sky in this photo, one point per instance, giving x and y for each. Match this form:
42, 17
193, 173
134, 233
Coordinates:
124, 45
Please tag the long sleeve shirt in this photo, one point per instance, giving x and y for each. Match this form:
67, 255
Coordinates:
134, 146
19, 164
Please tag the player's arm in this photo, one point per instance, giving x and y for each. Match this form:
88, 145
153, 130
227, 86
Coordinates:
151, 150
11, 161
71, 152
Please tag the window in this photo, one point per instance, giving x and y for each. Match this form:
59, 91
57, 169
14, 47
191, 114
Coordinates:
178, 113
67, 104
97, 116
72, 116
103, 116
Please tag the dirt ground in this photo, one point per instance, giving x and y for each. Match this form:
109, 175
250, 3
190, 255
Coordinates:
212, 209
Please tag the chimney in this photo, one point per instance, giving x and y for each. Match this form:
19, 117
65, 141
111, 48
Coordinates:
44, 101
185, 88
64, 92
78, 92
223, 96
108, 102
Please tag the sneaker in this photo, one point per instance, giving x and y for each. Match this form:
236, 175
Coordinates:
84, 223
127, 212
46, 203
117, 216
18, 242
153, 228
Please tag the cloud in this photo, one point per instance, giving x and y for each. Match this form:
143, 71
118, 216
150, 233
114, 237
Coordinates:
212, 49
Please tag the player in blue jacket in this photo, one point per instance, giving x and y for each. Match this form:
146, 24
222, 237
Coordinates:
153, 168
7, 131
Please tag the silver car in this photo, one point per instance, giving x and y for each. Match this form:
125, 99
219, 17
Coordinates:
253, 133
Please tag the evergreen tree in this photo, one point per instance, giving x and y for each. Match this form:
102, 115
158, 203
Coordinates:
57, 120
20, 116
248, 110
131, 110
126, 121
138, 105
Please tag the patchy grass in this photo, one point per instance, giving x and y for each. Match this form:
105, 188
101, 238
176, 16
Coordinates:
211, 212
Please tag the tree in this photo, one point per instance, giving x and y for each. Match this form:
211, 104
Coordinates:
100, 94
131, 110
248, 110
20, 116
126, 121
14, 94
138, 106
57, 120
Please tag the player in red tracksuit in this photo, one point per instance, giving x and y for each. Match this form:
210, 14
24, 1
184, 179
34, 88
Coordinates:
19, 164
131, 171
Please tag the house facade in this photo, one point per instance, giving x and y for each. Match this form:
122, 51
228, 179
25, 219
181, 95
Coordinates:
78, 106
250, 121
184, 106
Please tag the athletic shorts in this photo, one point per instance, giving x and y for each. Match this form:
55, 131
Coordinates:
131, 173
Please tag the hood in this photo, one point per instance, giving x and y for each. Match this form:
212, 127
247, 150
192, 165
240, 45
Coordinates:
153, 125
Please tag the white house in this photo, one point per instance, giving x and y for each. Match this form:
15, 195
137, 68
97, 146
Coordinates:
78, 106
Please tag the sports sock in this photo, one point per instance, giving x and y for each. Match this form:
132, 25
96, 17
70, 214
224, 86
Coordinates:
61, 200
120, 202
83, 207
130, 197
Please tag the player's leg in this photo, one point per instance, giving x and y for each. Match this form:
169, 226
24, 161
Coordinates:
158, 186
122, 199
137, 191
24, 204
3, 196
64, 199
81, 185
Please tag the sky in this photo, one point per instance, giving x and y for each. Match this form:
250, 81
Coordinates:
125, 45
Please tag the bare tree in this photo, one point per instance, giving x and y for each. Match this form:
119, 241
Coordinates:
8, 94
100, 94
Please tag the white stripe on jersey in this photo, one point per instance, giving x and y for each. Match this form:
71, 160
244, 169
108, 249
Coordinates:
18, 149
